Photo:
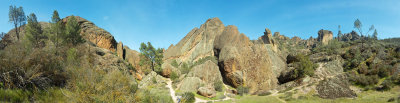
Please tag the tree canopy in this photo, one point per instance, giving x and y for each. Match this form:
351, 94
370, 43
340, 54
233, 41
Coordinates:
17, 17
152, 56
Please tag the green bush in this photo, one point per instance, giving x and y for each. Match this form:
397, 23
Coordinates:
175, 64
14, 95
242, 90
218, 85
304, 66
174, 76
188, 97
186, 67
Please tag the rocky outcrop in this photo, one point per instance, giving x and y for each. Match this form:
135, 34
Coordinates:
198, 43
208, 72
242, 62
350, 36
94, 34
120, 50
324, 36
190, 84
336, 87
207, 92
133, 57
267, 38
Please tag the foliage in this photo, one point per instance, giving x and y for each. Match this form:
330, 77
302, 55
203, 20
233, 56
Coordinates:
15, 96
33, 30
218, 85
304, 66
203, 60
364, 80
17, 17
2, 35
186, 67
333, 47
73, 31
188, 97
175, 64
174, 76
242, 90
57, 30
151, 56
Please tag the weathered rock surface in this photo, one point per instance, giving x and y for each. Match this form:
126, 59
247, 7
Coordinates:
207, 92
324, 36
133, 57
242, 62
120, 50
190, 84
96, 35
335, 87
208, 72
197, 43
350, 36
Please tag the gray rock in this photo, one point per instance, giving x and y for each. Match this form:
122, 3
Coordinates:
207, 92
190, 84
336, 87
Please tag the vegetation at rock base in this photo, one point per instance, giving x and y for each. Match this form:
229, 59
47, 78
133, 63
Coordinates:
188, 97
151, 57
242, 90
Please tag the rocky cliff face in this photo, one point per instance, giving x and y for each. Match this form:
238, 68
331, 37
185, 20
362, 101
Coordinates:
94, 34
197, 43
240, 61
350, 36
325, 36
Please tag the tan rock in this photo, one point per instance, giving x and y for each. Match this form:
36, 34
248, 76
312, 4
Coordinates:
324, 36
242, 62
120, 50
94, 34
133, 57
208, 92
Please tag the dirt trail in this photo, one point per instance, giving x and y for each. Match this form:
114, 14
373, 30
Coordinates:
198, 100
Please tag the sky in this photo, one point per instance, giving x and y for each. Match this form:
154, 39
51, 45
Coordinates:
166, 22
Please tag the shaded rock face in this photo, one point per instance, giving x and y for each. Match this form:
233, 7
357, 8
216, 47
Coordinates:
324, 36
208, 72
197, 43
133, 57
94, 34
335, 87
242, 62
350, 36
190, 84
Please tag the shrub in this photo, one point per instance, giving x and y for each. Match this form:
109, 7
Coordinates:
174, 76
218, 85
305, 66
14, 95
242, 90
186, 67
188, 97
264, 93
175, 64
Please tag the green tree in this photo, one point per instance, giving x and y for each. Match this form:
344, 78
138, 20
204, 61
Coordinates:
2, 35
375, 35
152, 56
33, 30
73, 31
17, 17
57, 29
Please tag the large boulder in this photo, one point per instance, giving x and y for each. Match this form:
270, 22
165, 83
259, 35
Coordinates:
267, 38
208, 72
324, 36
190, 84
242, 62
335, 87
207, 92
94, 34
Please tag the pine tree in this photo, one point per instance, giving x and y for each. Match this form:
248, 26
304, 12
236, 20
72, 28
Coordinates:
33, 30
73, 31
57, 29
17, 17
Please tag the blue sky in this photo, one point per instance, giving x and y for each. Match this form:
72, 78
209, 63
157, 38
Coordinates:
166, 22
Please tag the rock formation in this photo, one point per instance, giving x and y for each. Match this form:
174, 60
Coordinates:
324, 36
350, 36
242, 62
120, 50
96, 35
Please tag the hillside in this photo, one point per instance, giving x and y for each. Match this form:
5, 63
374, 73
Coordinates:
212, 63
